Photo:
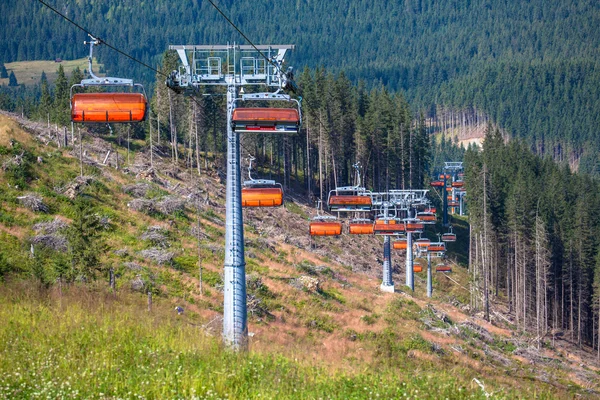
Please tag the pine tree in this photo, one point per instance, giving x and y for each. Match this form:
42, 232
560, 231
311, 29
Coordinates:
12, 79
46, 99
3, 72
61, 98
85, 244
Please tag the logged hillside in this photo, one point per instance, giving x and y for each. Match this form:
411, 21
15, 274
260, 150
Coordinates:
319, 325
533, 66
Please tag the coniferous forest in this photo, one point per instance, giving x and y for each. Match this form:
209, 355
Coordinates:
462, 54
534, 231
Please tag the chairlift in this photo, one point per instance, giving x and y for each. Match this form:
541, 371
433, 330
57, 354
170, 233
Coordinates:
422, 243
360, 226
107, 107
413, 225
447, 176
266, 120
449, 236
437, 183
443, 268
261, 192
453, 204
426, 216
324, 225
436, 247
350, 198
388, 226
400, 244
458, 184
417, 268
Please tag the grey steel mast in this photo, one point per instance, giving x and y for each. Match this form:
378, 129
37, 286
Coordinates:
218, 66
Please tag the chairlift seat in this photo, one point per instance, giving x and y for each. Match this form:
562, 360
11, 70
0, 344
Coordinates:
417, 268
437, 183
325, 228
381, 228
423, 242
453, 204
400, 244
443, 268
449, 237
262, 197
265, 120
436, 247
108, 107
361, 228
458, 184
349, 203
414, 226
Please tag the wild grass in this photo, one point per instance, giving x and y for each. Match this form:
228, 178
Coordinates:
87, 344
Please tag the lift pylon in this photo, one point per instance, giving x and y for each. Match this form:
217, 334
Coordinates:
235, 66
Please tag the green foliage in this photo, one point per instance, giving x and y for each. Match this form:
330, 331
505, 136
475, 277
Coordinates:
401, 308
18, 164
117, 350
3, 72
85, 242
12, 79
370, 319
212, 278
186, 263
5, 266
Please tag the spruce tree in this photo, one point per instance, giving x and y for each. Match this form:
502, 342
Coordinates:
61, 98
3, 72
12, 79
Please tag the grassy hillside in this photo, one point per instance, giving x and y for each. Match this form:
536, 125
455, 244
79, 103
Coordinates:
319, 325
30, 72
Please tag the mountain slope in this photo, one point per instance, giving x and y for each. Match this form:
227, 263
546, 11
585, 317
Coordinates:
310, 304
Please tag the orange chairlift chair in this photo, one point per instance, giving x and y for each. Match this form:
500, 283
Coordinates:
413, 225
261, 192
266, 120
360, 226
388, 226
426, 216
350, 198
324, 225
449, 236
107, 107
443, 268
400, 244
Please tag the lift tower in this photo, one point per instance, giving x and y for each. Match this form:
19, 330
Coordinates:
234, 66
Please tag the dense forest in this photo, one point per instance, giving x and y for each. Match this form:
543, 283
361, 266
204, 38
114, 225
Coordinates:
343, 124
534, 232
532, 67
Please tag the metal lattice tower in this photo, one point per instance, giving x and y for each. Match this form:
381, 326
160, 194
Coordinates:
232, 66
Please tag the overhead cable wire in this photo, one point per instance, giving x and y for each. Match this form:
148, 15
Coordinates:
102, 40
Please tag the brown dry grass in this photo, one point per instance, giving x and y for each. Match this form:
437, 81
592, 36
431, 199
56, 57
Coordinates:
11, 130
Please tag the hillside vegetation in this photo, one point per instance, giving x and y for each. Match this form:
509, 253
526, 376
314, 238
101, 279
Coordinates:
531, 66
319, 326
